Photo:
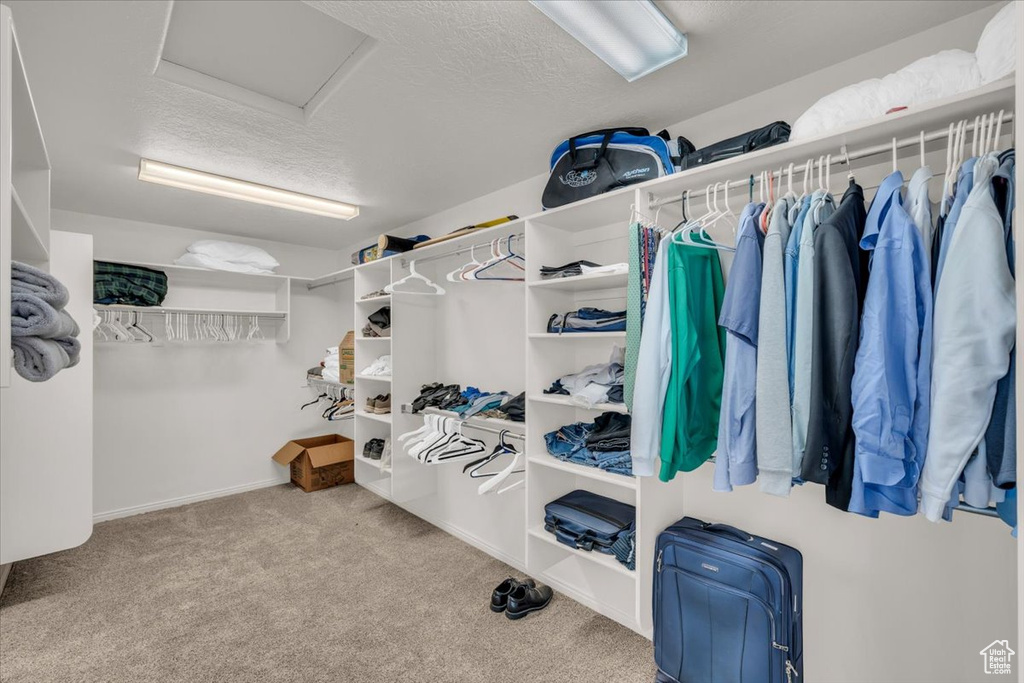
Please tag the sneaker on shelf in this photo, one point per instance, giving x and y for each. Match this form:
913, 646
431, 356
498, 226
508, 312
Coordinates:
382, 405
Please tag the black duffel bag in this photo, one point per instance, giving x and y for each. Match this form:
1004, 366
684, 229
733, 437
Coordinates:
766, 136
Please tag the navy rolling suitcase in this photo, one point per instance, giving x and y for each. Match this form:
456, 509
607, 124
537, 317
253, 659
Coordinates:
727, 606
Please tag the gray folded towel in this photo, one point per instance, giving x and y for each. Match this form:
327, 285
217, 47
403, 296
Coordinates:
37, 360
29, 280
72, 347
33, 317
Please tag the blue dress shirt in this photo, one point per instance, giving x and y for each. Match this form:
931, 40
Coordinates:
892, 375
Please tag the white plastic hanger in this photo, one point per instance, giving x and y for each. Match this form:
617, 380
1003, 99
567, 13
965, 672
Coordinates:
456, 275
895, 166
413, 276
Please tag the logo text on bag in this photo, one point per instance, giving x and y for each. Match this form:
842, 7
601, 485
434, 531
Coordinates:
578, 178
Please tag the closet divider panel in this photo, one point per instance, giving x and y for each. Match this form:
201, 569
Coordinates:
473, 337
414, 363
46, 432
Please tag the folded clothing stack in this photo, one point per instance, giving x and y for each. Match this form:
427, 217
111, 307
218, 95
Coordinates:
593, 384
604, 443
568, 270
588, 320
378, 324
43, 334
471, 402
379, 368
331, 365
437, 395
230, 256
118, 283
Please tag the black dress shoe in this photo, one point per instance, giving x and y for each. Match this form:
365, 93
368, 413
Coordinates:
499, 598
525, 599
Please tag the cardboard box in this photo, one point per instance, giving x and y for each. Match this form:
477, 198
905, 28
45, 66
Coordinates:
319, 462
347, 359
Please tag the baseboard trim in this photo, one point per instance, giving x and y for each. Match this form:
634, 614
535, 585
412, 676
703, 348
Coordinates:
183, 500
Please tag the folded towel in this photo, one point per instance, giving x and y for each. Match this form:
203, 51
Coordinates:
37, 360
72, 347
25, 278
33, 317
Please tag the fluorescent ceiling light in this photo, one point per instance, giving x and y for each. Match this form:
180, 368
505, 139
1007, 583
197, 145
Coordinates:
208, 183
631, 36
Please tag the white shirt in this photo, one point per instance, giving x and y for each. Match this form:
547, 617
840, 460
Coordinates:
652, 371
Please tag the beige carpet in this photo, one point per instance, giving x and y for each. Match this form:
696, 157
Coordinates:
280, 585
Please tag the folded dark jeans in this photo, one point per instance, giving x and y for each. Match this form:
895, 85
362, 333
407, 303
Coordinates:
588, 320
611, 432
568, 270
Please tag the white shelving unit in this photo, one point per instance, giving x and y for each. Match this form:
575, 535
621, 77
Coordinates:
24, 179
593, 229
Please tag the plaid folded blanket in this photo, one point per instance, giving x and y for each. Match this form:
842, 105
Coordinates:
117, 283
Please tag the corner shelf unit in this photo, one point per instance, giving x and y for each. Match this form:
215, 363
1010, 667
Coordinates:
592, 229
24, 179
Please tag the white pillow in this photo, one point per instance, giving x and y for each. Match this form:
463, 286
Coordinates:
204, 261
997, 47
930, 78
233, 252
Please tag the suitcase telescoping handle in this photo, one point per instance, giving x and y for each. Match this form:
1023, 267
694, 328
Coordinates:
727, 530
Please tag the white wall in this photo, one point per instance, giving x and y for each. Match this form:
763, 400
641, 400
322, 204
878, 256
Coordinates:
785, 102
175, 423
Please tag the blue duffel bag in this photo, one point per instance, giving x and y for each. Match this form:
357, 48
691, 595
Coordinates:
727, 606
601, 160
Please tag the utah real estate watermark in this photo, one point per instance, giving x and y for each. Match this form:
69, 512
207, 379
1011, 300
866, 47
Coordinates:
998, 658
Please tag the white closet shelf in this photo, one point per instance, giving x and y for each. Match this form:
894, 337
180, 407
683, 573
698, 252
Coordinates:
26, 242
321, 382
386, 419
584, 283
374, 339
551, 462
599, 559
561, 400
374, 299
578, 335
497, 423
165, 310
376, 378
206, 276
375, 464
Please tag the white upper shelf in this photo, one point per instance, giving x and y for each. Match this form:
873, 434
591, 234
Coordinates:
205, 276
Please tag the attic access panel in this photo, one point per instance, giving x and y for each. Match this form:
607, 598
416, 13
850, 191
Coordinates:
279, 56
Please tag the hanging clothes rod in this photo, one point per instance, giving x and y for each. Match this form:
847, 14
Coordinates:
464, 424
407, 256
843, 157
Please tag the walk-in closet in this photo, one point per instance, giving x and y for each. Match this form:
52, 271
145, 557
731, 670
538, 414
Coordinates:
542, 340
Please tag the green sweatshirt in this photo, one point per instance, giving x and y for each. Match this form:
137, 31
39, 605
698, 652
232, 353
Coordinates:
689, 432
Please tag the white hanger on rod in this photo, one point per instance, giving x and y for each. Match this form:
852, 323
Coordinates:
922, 149
413, 276
895, 167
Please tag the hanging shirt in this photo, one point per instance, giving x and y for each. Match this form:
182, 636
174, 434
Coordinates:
975, 323
774, 426
654, 367
693, 400
791, 262
892, 371
1001, 436
634, 320
919, 206
821, 207
964, 184
829, 451
736, 463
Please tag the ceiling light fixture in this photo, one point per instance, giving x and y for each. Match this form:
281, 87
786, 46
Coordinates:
209, 183
631, 36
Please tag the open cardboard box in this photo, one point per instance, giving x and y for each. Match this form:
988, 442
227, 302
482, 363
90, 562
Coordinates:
319, 462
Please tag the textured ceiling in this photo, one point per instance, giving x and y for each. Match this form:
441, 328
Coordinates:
458, 99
